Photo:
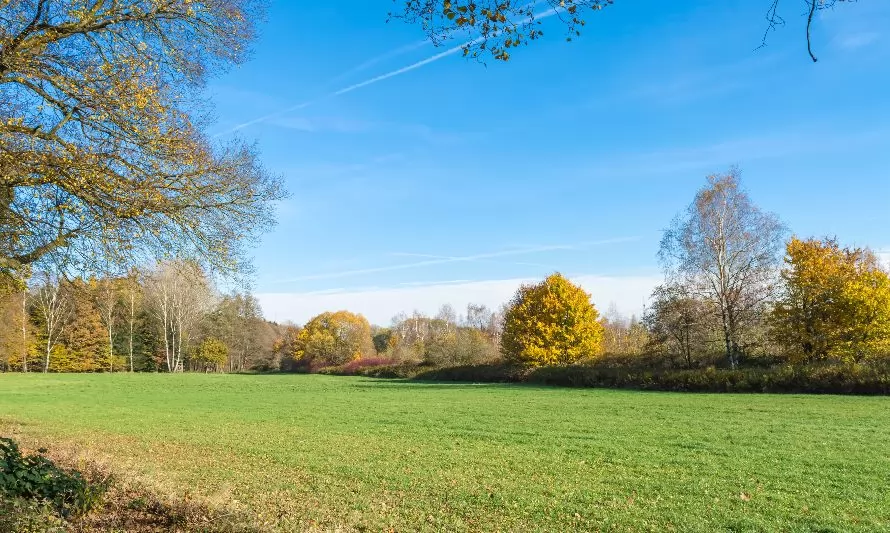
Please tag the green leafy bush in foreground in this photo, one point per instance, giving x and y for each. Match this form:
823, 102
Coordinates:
26, 516
34, 478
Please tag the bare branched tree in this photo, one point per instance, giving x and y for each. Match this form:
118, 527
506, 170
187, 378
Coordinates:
180, 295
53, 307
679, 323
492, 28
726, 251
133, 292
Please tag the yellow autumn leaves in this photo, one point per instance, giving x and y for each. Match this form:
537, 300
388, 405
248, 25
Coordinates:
551, 323
333, 339
836, 303
834, 307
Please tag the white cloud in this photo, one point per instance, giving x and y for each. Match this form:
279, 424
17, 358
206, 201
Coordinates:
858, 40
379, 305
805, 140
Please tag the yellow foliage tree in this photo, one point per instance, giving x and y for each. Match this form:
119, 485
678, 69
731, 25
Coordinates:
836, 303
334, 339
868, 295
103, 155
211, 355
551, 323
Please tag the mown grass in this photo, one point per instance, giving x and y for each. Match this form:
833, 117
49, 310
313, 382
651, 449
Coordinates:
321, 452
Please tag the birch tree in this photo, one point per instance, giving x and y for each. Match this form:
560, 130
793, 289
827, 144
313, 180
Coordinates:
726, 251
133, 294
106, 298
53, 307
180, 295
24, 330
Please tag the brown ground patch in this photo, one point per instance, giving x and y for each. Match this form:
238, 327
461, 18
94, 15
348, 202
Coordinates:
130, 505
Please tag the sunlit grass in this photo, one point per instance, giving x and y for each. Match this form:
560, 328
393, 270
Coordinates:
328, 452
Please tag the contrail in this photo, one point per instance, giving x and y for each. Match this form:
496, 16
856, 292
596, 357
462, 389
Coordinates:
463, 259
371, 81
378, 59
403, 70
266, 117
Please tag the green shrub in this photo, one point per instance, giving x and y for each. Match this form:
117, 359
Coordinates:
26, 516
825, 379
212, 354
383, 371
37, 479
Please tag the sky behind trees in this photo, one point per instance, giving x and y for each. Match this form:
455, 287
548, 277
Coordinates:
420, 178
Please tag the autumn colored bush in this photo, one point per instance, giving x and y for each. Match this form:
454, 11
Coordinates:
551, 323
211, 355
353, 367
835, 306
331, 339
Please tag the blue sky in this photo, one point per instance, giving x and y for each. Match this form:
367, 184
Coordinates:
446, 181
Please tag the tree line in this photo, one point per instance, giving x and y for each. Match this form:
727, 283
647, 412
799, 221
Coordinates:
168, 318
738, 292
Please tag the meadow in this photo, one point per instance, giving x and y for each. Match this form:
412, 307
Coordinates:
302, 452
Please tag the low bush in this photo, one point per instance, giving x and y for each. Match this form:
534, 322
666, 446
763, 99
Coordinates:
35, 478
826, 379
25, 516
354, 367
378, 367
489, 373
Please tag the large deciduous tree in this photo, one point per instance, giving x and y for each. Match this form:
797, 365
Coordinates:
835, 303
103, 157
723, 249
551, 323
238, 322
333, 339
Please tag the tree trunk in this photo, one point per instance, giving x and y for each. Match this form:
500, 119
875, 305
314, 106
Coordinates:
132, 312
48, 350
25, 330
110, 350
727, 331
166, 332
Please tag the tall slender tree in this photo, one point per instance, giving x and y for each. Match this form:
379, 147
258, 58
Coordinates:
106, 300
53, 307
180, 295
726, 251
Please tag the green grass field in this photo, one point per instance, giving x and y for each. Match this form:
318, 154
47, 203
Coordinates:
325, 452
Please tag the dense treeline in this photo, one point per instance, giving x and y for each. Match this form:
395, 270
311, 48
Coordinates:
168, 318
776, 312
